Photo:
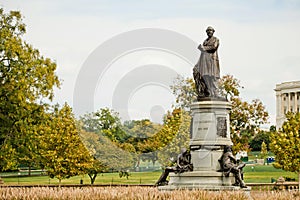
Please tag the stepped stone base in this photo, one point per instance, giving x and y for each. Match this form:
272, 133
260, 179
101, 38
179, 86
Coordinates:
200, 178
204, 187
203, 180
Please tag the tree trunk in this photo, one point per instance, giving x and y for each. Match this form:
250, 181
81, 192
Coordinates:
154, 158
138, 164
93, 177
29, 170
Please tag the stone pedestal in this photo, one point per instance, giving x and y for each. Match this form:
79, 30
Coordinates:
210, 132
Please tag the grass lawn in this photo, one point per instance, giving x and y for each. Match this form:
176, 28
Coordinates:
264, 174
252, 174
105, 178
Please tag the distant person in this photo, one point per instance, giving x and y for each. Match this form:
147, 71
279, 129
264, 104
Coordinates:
207, 71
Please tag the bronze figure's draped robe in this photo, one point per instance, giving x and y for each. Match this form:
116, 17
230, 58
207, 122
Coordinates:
207, 71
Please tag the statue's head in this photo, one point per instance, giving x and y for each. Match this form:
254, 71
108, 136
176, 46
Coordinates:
227, 148
183, 150
210, 31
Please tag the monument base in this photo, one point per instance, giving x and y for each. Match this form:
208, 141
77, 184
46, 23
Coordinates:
246, 191
205, 187
210, 134
204, 178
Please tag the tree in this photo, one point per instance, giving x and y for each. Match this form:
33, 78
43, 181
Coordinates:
184, 90
241, 141
258, 139
63, 154
285, 144
108, 133
229, 86
138, 138
165, 135
105, 121
107, 152
264, 151
90, 140
95, 169
169, 153
139, 131
26, 80
247, 116
149, 142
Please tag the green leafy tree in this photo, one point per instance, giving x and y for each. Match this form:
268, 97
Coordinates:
258, 139
264, 151
94, 144
165, 135
107, 152
168, 154
241, 141
184, 90
285, 144
139, 131
151, 143
247, 116
105, 121
90, 140
62, 152
107, 125
139, 138
26, 79
95, 169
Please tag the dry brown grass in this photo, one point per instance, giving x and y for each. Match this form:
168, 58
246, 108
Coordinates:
276, 195
131, 193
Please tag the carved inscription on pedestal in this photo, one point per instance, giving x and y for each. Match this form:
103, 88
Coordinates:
221, 126
202, 125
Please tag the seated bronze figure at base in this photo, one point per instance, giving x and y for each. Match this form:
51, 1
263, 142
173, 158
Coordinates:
183, 165
230, 165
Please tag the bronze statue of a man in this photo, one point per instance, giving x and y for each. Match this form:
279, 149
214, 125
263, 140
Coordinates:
207, 71
183, 165
229, 164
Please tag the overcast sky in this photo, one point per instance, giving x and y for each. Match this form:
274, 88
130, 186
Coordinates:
259, 45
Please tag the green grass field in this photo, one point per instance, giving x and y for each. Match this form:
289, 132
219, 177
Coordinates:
252, 174
264, 174
105, 178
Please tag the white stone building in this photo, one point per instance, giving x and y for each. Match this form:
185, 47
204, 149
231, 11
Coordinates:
287, 100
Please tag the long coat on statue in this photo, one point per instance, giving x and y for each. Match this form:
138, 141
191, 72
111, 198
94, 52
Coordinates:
207, 70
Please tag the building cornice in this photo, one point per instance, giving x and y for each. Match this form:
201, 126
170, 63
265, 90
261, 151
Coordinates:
287, 85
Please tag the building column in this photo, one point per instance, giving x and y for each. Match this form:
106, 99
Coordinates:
289, 102
282, 104
278, 104
295, 102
